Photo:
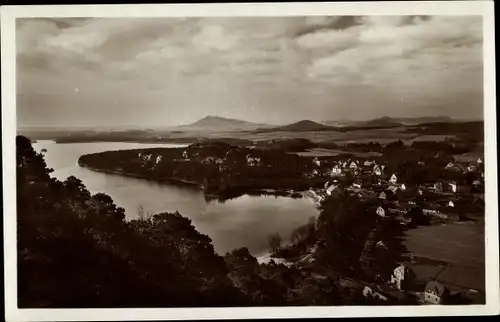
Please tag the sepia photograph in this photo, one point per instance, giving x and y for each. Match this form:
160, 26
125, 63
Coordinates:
249, 158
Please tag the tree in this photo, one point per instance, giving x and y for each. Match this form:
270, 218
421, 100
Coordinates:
274, 242
299, 234
143, 214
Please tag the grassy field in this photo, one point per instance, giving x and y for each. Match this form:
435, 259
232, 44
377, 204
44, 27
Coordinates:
458, 247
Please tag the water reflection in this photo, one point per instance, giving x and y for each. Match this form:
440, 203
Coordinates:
245, 221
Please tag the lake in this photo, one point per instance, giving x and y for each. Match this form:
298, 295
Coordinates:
242, 222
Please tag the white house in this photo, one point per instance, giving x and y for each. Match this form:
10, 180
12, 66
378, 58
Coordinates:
251, 161
453, 186
450, 165
434, 293
380, 211
336, 171
331, 188
472, 168
393, 179
401, 277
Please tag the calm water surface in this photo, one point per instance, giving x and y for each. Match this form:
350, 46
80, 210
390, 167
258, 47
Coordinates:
242, 222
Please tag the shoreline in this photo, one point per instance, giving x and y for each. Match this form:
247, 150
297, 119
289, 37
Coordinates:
209, 196
160, 180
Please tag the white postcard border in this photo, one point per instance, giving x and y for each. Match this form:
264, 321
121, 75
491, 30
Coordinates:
8, 15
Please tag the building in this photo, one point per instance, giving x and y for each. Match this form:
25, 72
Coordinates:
453, 186
380, 211
331, 189
402, 277
252, 161
369, 293
434, 293
472, 168
336, 171
381, 245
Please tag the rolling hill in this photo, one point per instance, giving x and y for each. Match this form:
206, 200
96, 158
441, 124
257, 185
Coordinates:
302, 126
217, 123
389, 121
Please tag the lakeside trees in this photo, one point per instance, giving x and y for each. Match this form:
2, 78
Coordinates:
75, 250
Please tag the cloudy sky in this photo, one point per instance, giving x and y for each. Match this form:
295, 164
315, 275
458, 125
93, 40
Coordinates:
169, 71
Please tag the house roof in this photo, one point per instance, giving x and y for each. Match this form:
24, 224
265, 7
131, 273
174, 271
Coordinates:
393, 188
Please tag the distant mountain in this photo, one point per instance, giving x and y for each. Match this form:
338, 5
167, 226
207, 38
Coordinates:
305, 125
217, 123
387, 121
340, 123
421, 120
382, 122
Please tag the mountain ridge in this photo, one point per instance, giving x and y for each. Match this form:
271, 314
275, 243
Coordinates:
212, 122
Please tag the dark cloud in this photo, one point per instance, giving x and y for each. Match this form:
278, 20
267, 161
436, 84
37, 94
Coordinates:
165, 71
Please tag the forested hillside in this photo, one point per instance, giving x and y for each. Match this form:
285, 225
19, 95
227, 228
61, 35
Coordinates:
76, 250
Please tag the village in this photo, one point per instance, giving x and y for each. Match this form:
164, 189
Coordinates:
395, 199
369, 180
431, 191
